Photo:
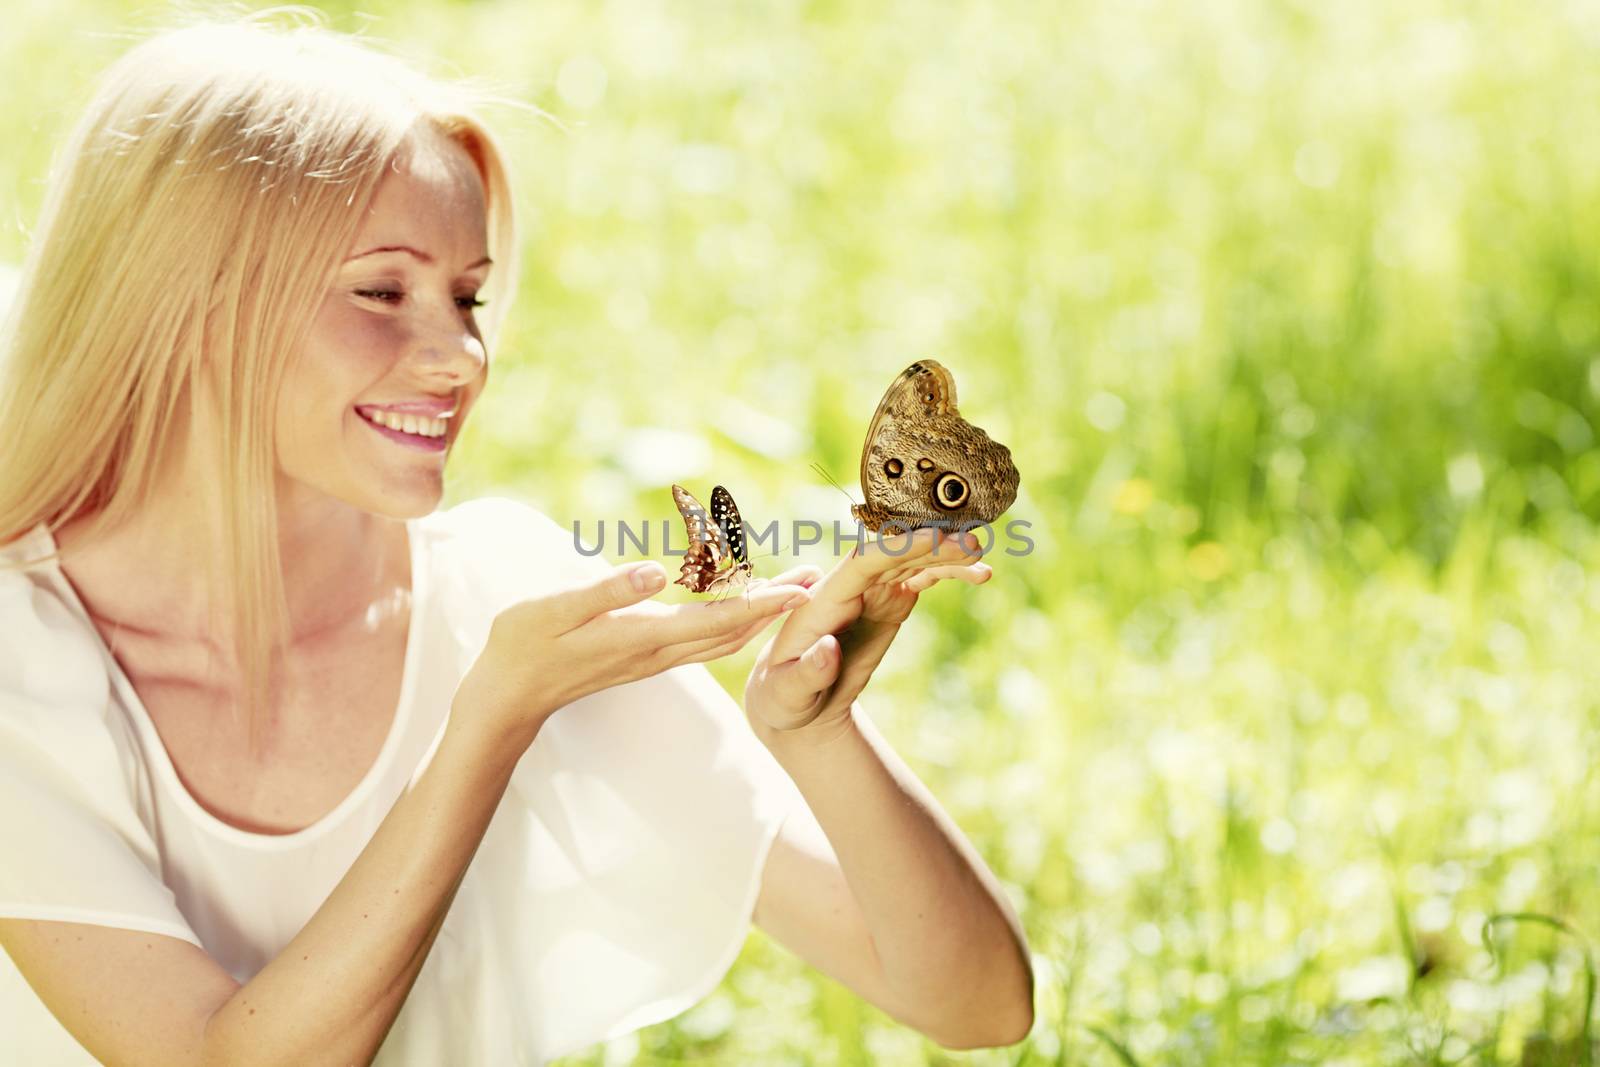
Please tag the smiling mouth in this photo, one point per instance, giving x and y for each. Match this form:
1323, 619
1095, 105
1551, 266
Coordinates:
426, 434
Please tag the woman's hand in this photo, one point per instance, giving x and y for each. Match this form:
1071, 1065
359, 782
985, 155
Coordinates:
545, 652
809, 674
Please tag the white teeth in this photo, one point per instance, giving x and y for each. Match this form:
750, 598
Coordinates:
422, 426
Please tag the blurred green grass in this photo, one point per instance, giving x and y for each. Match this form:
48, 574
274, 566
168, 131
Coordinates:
1288, 312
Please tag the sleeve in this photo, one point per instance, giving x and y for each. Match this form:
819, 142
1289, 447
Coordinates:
72, 844
616, 882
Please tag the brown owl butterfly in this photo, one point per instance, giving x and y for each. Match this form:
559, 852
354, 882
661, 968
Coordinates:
716, 558
923, 464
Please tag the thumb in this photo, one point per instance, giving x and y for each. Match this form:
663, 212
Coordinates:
627, 584
797, 683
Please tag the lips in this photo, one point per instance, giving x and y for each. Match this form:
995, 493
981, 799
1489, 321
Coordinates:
434, 408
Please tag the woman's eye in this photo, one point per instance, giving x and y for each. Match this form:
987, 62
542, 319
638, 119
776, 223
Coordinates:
395, 296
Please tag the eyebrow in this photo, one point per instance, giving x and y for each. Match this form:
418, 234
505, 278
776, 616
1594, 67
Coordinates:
423, 256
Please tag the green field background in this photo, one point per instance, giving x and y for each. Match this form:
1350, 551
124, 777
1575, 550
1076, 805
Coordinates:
1289, 314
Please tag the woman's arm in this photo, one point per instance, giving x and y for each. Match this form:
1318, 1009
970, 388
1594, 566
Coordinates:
875, 884
332, 994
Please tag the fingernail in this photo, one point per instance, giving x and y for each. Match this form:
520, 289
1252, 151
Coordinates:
648, 579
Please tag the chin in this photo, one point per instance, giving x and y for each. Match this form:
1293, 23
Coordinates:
390, 497
406, 505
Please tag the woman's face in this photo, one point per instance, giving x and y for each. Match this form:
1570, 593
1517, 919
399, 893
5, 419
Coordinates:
394, 341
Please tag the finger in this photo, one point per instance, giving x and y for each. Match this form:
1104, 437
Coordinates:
688, 623
879, 556
975, 574
964, 544
953, 550
797, 684
970, 541
625, 585
722, 644
836, 599
899, 546
708, 651
806, 574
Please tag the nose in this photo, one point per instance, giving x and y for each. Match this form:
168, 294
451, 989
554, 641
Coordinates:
449, 352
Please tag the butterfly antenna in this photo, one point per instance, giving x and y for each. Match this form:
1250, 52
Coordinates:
820, 469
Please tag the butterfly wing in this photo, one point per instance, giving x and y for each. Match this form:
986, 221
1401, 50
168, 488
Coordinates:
725, 513
707, 547
923, 392
699, 523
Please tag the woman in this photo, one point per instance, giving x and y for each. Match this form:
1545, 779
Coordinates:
295, 768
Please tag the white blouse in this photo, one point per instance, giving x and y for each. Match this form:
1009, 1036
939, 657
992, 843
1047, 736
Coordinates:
613, 888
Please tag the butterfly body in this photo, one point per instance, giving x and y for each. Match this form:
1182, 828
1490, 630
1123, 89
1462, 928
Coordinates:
716, 558
923, 464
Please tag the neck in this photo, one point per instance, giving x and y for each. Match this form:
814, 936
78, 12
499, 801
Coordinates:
338, 563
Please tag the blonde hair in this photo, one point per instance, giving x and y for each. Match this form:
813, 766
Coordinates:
194, 217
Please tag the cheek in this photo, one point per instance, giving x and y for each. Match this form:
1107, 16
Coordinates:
468, 398
346, 352
352, 341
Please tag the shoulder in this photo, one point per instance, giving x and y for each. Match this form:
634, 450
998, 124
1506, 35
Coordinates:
50, 661
76, 810
64, 739
496, 520
498, 549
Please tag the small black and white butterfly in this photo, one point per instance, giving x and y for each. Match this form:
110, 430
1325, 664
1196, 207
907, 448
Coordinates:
716, 558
